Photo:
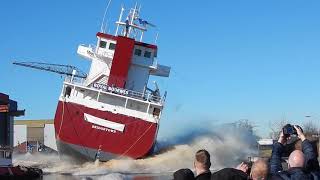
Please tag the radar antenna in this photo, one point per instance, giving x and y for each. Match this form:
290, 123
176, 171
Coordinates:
56, 68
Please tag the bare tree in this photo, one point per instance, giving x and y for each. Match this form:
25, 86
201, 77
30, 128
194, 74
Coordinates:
276, 127
310, 128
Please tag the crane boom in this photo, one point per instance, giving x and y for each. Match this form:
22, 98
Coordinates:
56, 68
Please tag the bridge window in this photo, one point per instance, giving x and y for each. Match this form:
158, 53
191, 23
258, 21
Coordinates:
112, 46
156, 112
137, 52
103, 44
147, 54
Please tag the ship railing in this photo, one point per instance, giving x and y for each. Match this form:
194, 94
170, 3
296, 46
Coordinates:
145, 96
75, 80
92, 46
104, 54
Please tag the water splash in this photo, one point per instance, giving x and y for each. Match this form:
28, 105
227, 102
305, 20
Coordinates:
227, 144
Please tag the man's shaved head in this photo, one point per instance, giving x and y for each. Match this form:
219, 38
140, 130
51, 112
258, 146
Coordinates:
296, 159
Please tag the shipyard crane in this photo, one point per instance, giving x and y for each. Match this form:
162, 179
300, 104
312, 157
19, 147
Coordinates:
56, 68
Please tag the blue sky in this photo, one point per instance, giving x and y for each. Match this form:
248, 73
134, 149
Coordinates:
231, 60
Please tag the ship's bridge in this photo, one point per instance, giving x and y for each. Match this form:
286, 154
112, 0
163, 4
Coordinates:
123, 60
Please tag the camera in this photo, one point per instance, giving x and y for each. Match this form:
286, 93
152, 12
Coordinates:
289, 130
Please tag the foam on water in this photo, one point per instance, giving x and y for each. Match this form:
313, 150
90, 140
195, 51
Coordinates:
226, 145
226, 150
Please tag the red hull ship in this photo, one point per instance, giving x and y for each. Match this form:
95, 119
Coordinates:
112, 113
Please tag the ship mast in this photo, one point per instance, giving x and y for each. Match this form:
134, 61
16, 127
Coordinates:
120, 19
129, 27
133, 16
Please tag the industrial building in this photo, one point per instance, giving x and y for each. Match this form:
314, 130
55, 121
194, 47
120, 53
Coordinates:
33, 135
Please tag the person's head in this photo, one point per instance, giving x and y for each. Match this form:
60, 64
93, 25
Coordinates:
259, 170
296, 159
202, 160
183, 174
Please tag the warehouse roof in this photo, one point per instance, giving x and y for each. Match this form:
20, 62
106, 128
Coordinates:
33, 123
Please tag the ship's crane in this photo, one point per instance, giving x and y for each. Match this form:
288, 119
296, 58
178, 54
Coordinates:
56, 68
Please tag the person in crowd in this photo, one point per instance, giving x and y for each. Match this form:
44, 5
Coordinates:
301, 164
183, 174
202, 165
259, 170
238, 173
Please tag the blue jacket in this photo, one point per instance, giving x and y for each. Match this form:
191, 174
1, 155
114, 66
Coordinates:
310, 170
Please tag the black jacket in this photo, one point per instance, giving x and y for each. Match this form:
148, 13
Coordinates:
229, 174
311, 163
204, 176
295, 174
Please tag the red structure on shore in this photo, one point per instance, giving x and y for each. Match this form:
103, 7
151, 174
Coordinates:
8, 110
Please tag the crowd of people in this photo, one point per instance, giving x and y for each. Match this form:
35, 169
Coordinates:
302, 164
